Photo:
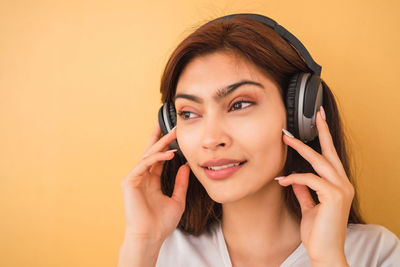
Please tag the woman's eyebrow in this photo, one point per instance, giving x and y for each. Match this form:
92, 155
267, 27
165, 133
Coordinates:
221, 93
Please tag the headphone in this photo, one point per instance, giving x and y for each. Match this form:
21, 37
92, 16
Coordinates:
304, 92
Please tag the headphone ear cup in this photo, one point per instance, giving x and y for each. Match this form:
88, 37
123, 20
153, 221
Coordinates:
313, 98
292, 105
303, 99
167, 119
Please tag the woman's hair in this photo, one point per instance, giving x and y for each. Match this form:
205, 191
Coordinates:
262, 46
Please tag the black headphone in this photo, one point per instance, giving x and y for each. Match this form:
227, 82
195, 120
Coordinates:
304, 92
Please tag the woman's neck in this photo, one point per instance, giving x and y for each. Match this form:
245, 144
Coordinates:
260, 226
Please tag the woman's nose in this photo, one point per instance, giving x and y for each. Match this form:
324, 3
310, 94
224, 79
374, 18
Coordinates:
214, 135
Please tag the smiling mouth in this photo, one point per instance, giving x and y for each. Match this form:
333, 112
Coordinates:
222, 172
217, 168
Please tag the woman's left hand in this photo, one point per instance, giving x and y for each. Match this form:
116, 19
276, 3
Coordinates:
323, 226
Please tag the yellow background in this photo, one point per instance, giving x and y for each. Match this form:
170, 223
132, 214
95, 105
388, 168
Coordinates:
79, 85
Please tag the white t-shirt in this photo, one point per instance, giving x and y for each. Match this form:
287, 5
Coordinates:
366, 245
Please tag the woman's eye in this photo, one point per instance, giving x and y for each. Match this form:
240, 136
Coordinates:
238, 104
183, 113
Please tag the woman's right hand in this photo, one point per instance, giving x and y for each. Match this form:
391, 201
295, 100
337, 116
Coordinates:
149, 214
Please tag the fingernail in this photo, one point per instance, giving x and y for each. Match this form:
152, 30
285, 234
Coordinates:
286, 132
321, 109
172, 150
279, 177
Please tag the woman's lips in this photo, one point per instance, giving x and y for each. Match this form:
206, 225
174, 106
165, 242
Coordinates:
223, 173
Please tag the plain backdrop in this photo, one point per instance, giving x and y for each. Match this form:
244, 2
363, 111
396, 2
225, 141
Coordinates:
79, 95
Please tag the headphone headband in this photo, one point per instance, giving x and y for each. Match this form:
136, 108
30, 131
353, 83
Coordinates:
285, 34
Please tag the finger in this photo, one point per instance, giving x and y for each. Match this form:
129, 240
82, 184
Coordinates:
327, 146
154, 137
181, 184
162, 143
321, 186
144, 164
156, 168
304, 197
319, 163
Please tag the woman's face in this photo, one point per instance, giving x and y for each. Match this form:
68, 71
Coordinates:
222, 127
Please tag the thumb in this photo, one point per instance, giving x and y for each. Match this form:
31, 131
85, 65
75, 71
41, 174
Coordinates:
303, 196
181, 184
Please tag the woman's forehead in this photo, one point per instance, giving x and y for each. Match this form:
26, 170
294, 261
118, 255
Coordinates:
219, 70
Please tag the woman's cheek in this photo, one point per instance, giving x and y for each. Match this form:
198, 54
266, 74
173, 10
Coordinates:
186, 141
247, 129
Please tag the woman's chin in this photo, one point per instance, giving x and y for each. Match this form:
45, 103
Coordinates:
226, 195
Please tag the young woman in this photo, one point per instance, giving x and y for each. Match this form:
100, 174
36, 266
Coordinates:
261, 176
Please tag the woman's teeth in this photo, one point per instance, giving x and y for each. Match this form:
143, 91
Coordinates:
216, 168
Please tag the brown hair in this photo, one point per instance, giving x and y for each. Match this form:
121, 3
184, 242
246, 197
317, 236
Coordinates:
274, 56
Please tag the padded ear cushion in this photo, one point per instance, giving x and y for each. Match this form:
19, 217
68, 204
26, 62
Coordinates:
292, 96
161, 120
172, 117
172, 114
